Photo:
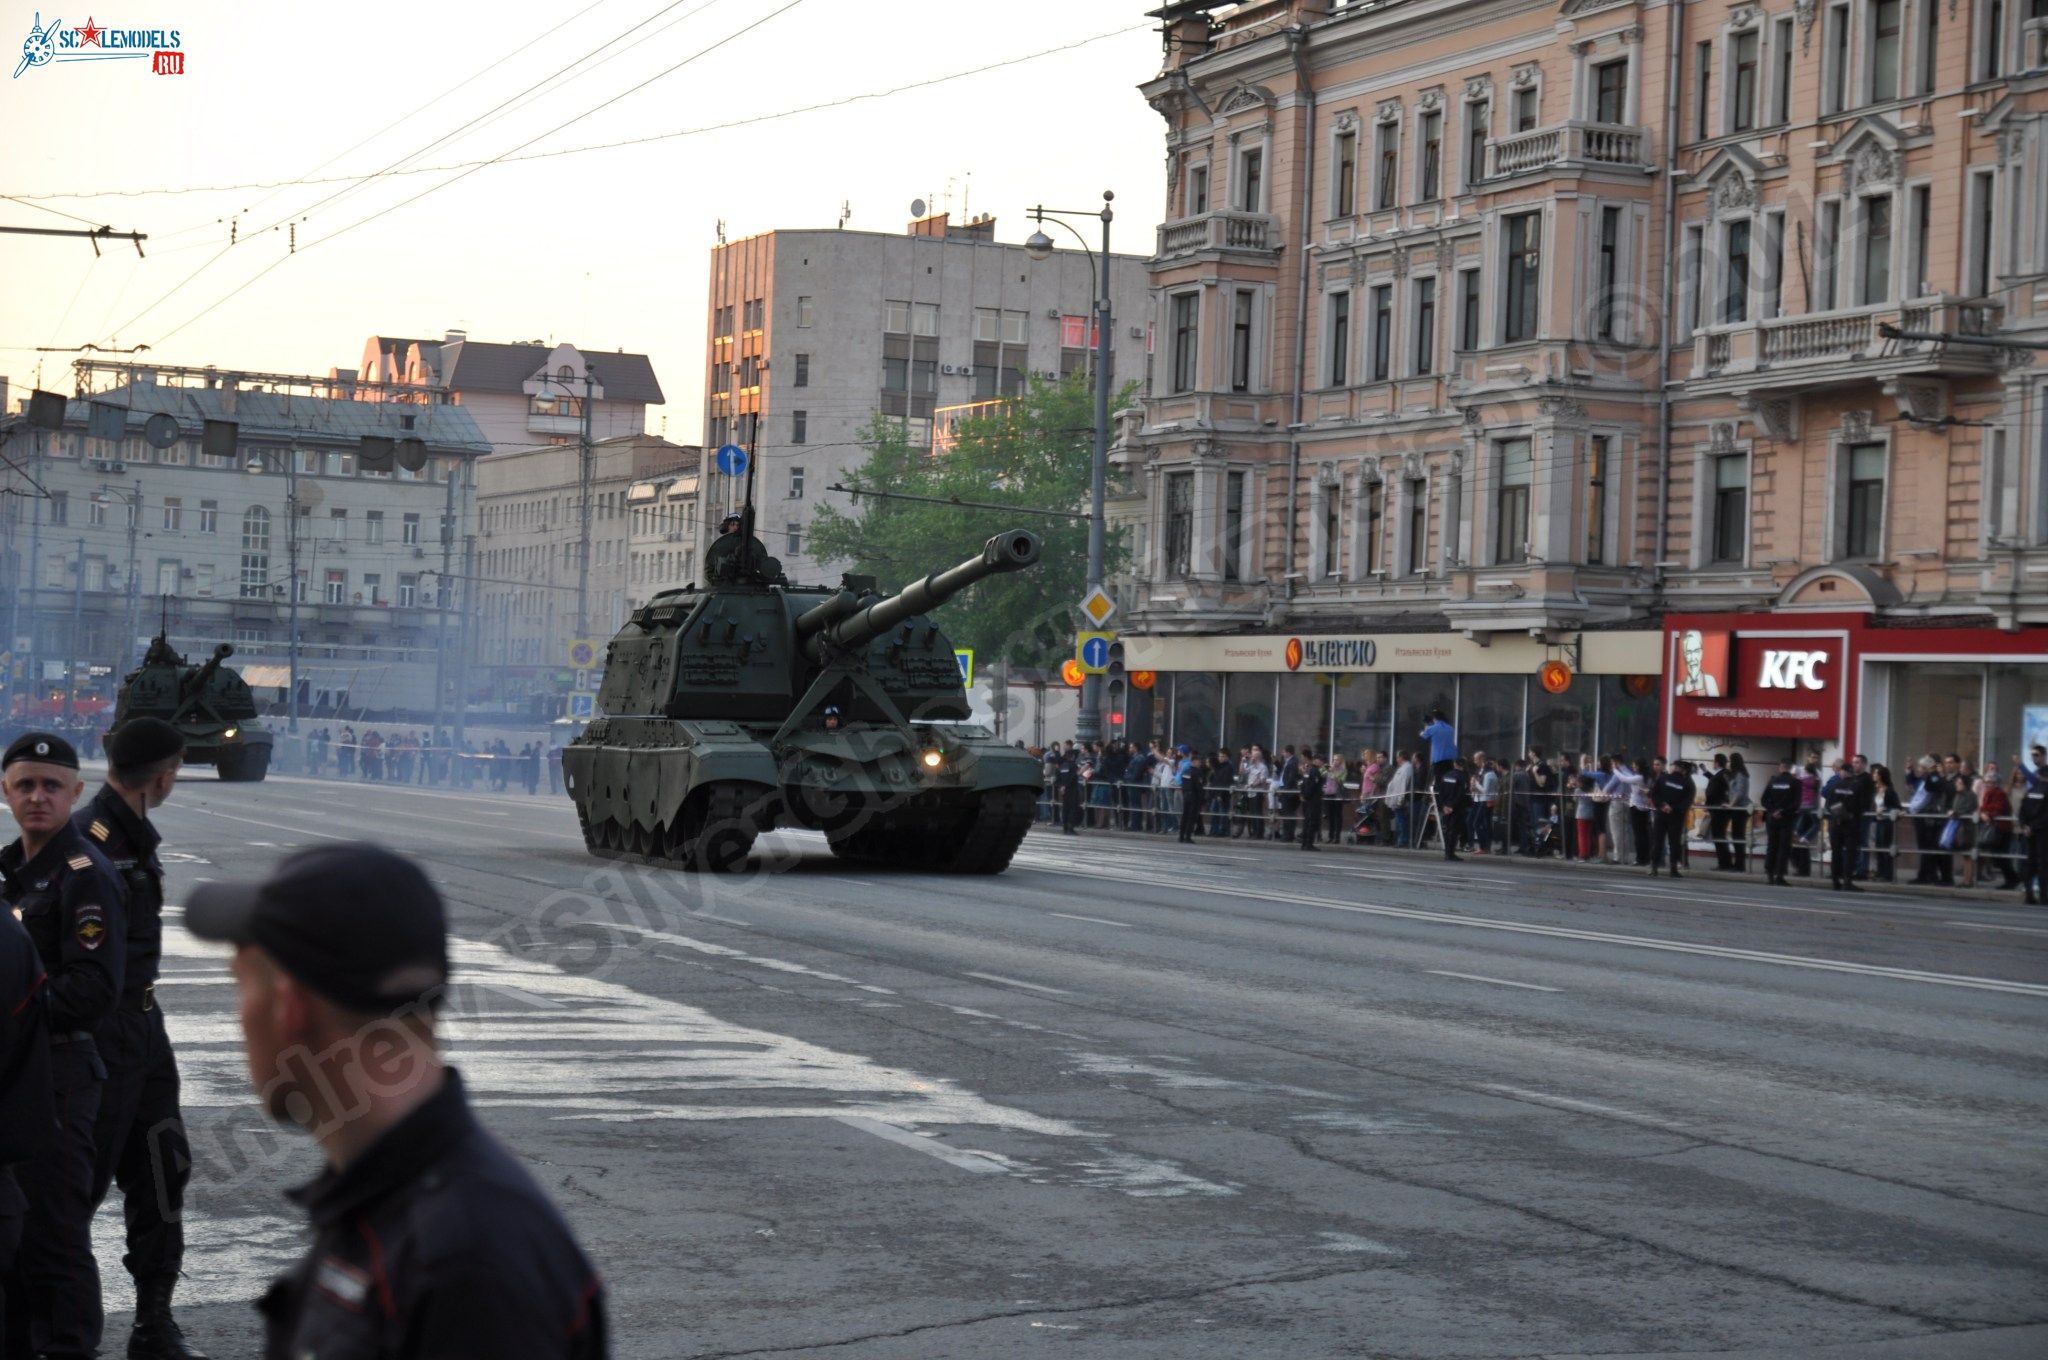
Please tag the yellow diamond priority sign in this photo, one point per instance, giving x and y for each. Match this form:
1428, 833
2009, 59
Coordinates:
1096, 606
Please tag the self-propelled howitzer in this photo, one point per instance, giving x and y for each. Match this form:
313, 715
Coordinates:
209, 703
747, 703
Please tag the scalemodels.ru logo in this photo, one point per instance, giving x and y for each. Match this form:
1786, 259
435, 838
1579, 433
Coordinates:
57, 43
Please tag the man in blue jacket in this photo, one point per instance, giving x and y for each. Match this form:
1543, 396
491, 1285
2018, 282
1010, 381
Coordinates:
1443, 742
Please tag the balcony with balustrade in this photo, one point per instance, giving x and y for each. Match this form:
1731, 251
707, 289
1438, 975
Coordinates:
1849, 346
1252, 234
1568, 148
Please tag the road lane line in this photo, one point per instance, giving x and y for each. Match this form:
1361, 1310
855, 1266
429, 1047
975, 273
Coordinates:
917, 1142
1683, 896
1581, 1106
1018, 982
1498, 982
1594, 936
1092, 920
1980, 925
267, 826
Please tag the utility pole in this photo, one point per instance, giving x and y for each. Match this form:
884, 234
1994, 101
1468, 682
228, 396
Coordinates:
10, 561
291, 549
448, 474
33, 669
584, 479
134, 587
468, 597
77, 618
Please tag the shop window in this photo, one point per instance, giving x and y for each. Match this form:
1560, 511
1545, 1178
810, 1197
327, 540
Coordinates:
1197, 709
1937, 708
1251, 712
1490, 715
1303, 718
1364, 714
1563, 724
2016, 705
1415, 697
1628, 716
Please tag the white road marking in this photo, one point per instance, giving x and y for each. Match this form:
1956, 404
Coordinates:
1600, 937
1352, 1242
1019, 982
1683, 896
251, 821
1582, 1106
1092, 920
963, 1158
1498, 982
1979, 925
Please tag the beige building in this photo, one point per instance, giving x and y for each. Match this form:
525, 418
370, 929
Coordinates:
1470, 322
528, 531
666, 530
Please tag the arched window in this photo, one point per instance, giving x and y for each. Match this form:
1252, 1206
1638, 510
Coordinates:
565, 372
256, 553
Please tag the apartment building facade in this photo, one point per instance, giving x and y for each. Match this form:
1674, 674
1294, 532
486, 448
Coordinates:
1459, 336
666, 529
528, 540
810, 334
145, 525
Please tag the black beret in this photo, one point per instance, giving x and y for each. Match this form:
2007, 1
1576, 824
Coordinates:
143, 741
46, 747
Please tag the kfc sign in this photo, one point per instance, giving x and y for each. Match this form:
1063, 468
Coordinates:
1753, 685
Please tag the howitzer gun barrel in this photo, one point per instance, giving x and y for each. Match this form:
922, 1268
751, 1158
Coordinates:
205, 672
1006, 552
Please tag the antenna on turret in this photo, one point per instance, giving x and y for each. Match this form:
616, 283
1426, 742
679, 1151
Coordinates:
747, 510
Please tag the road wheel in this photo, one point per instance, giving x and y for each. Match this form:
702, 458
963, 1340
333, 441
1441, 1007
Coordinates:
727, 836
991, 836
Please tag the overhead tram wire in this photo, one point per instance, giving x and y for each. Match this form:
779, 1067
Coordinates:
391, 168
342, 231
842, 102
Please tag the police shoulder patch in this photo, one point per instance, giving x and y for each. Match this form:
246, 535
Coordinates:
99, 831
91, 927
80, 861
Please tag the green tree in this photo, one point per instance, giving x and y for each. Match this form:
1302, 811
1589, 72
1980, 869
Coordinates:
1033, 452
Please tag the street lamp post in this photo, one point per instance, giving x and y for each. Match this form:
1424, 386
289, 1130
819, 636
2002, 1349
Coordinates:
1040, 247
291, 589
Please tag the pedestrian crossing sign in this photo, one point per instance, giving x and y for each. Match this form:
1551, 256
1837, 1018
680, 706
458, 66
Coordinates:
583, 706
964, 658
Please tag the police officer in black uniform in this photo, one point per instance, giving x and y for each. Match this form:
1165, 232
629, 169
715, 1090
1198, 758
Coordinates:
1312, 776
28, 1117
430, 1239
140, 1137
1068, 783
1847, 800
1451, 789
71, 902
2031, 817
1779, 803
1194, 789
1670, 801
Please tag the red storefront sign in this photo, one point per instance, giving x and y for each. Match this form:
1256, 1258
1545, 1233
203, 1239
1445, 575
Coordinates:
1762, 684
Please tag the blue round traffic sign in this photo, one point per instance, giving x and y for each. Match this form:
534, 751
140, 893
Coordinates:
1095, 653
732, 460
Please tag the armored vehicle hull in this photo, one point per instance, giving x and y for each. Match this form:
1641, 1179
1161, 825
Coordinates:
747, 704
209, 703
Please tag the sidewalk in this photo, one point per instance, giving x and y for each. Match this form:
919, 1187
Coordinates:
1701, 872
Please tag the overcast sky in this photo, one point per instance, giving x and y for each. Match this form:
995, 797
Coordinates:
604, 248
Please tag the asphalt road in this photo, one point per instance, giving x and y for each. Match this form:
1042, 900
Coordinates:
1143, 1100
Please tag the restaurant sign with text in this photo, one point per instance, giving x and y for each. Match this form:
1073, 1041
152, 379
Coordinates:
1613, 653
1733, 684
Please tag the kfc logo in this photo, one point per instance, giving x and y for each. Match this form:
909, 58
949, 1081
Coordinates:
1791, 670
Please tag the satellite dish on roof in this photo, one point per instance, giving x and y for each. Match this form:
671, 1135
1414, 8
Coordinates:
917, 207
161, 430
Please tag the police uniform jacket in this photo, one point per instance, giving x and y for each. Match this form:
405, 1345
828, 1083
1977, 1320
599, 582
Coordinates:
130, 843
28, 1113
2032, 812
435, 1243
1672, 794
1849, 796
71, 902
1781, 795
1452, 790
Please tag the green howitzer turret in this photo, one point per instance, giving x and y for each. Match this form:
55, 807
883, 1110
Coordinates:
209, 703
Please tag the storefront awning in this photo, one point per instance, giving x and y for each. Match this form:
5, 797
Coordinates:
265, 676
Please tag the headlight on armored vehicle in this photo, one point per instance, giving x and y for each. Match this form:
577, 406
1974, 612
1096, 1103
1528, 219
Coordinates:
229, 735
933, 758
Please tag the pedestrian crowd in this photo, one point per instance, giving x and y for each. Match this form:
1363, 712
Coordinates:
1943, 822
429, 1238
421, 757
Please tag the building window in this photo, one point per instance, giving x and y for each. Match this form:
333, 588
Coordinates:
1981, 209
806, 312
1333, 531
166, 578
1198, 190
1863, 532
209, 517
1731, 508
1241, 340
1478, 124
174, 514
1826, 249
1609, 295
1234, 485
992, 326
1430, 132
335, 588
1347, 175
1599, 450
799, 426
1524, 276
1387, 159
1923, 210
1526, 102
408, 591
900, 318
1382, 332
1251, 168
1836, 30
373, 526
1468, 309
373, 587
1930, 44
895, 374
256, 553
1417, 491
1375, 525
409, 531
60, 508
96, 512
1186, 339
1610, 92
1742, 80
1702, 88
1180, 523
1339, 371
1511, 501
1991, 51
1735, 281
803, 370
1877, 250
1781, 83
1887, 17
1425, 327
793, 539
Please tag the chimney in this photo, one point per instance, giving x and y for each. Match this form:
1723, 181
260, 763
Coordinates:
454, 337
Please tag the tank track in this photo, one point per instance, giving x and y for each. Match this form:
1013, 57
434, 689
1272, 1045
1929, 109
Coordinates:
983, 844
715, 836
